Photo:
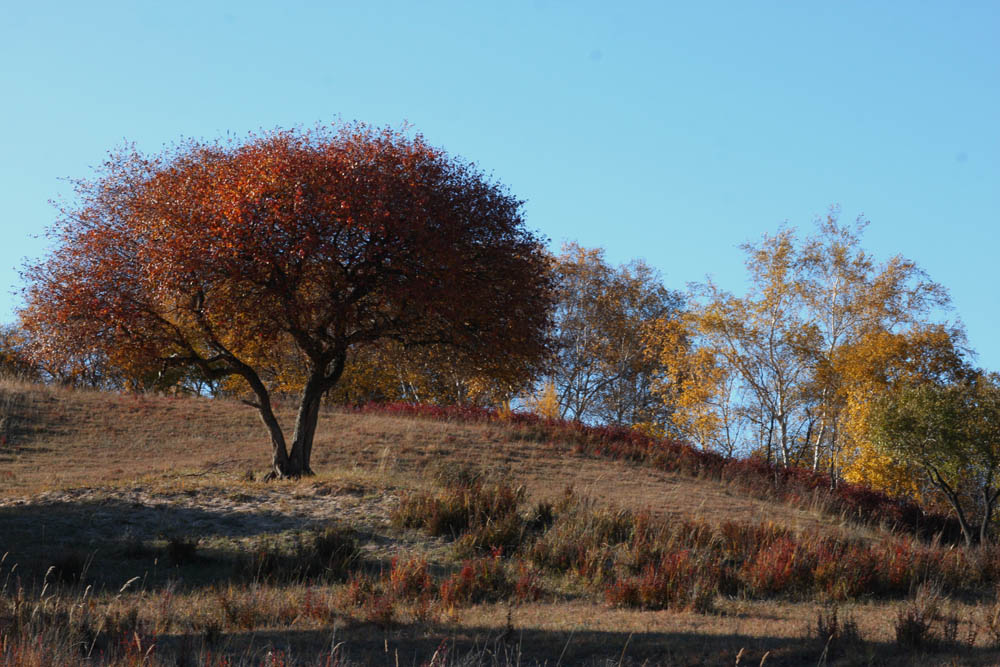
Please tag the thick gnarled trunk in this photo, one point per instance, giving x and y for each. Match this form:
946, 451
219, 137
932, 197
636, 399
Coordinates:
296, 462
293, 463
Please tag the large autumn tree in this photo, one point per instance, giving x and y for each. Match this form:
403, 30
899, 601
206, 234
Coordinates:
223, 256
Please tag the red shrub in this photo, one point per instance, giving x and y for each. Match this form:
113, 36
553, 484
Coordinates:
479, 580
783, 567
676, 582
896, 567
528, 586
846, 571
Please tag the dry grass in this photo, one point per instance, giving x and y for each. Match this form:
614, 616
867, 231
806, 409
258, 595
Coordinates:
67, 438
108, 488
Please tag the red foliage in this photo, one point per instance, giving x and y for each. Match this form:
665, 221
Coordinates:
847, 571
410, 579
289, 250
528, 586
783, 567
479, 580
676, 582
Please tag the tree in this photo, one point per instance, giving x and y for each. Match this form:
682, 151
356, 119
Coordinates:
700, 386
880, 364
765, 337
952, 434
432, 374
600, 371
225, 256
767, 367
849, 301
751, 348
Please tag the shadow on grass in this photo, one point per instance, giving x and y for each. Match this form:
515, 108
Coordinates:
116, 539
10, 453
418, 644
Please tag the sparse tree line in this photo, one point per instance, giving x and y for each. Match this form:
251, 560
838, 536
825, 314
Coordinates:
353, 264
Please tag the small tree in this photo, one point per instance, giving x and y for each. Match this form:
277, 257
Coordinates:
224, 256
600, 370
952, 434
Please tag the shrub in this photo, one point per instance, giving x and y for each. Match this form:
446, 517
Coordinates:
739, 541
506, 535
358, 589
133, 547
897, 569
915, 619
181, 550
68, 568
380, 609
582, 540
315, 607
678, 581
840, 636
542, 516
990, 620
845, 571
528, 587
329, 553
411, 578
479, 580
783, 567
465, 504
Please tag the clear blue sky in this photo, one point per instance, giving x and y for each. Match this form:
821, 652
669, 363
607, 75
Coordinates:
667, 131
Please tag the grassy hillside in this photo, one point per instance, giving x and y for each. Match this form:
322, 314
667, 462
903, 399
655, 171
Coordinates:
136, 532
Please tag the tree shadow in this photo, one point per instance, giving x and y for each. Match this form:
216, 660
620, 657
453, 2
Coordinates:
116, 539
418, 644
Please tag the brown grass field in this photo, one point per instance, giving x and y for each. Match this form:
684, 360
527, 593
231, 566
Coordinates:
135, 532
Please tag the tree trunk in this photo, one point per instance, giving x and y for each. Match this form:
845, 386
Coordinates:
305, 426
281, 464
770, 440
956, 504
819, 443
783, 440
285, 464
989, 502
320, 381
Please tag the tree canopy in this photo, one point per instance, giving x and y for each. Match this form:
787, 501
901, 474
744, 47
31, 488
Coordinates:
951, 433
600, 371
772, 371
224, 256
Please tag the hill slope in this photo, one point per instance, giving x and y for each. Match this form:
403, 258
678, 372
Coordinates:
57, 439
96, 489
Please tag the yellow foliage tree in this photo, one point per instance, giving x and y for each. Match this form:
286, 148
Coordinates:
545, 402
697, 383
392, 372
770, 371
881, 364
